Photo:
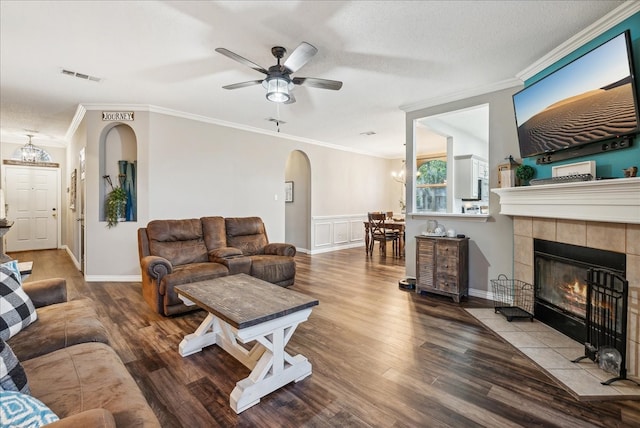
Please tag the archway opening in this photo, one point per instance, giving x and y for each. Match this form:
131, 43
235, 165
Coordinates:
298, 209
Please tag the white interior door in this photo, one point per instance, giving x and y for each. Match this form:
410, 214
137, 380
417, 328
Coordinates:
32, 204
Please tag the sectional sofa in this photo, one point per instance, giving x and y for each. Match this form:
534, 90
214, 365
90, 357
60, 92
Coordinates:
70, 366
174, 252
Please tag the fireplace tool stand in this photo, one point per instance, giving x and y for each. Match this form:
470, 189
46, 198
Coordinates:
606, 323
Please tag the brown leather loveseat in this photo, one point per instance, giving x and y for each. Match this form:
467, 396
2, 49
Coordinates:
174, 252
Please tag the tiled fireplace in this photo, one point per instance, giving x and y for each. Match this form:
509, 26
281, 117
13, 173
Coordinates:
577, 214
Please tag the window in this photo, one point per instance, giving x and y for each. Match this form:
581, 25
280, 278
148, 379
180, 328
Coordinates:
431, 183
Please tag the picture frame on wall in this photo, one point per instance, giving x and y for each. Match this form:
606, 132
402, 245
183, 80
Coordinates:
72, 190
288, 191
81, 159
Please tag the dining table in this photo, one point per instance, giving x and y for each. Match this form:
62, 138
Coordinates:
398, 225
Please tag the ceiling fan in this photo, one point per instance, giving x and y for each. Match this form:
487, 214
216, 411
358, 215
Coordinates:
279, 82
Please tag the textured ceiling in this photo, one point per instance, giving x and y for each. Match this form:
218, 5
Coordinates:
388, 54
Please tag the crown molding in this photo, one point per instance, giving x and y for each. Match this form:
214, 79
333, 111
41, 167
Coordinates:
615, 17
83, 108
461, 95
75, 122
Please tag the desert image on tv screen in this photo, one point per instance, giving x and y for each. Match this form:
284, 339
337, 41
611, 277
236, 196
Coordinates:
590, 99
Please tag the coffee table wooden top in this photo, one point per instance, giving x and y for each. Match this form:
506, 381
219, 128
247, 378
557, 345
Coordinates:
243, 301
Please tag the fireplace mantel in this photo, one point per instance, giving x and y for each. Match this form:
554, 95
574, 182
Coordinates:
615, 200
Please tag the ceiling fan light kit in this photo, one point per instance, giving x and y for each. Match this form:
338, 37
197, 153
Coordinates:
277, 89
278, 82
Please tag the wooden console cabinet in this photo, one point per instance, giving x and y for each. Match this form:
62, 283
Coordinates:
442, 266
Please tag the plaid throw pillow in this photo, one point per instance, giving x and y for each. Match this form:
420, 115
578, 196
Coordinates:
16, 309
12, 375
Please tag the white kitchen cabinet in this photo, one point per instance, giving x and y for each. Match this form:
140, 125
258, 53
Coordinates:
470, 171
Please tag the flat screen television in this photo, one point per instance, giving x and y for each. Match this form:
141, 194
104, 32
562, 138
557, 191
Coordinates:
591, 99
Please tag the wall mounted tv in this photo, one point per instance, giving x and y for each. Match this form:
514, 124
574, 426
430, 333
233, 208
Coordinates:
592, 99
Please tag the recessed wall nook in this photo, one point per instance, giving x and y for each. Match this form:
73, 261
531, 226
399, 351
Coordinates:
118, 167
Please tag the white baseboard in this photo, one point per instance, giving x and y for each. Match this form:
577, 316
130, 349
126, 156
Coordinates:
483, 294
72, 256
336, 248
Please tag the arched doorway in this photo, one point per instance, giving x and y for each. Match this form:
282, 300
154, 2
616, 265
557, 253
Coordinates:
298, 212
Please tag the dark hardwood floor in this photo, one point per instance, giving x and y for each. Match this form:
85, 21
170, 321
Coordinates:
381, 356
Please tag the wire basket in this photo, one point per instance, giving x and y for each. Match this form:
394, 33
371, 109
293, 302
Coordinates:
513, 298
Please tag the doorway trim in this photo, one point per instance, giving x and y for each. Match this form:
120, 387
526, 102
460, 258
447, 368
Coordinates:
13, 165
297, 212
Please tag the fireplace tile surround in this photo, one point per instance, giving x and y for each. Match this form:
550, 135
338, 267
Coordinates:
619, 237
603, 214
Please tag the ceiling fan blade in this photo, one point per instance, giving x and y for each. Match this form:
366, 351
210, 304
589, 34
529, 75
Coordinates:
317, 83
242, 84
300, 56
241, 60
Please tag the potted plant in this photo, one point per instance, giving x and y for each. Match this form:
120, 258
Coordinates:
115, 204
525, 173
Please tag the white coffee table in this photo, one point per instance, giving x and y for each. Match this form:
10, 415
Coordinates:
243, 309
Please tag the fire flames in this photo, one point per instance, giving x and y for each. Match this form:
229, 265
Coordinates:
576, 296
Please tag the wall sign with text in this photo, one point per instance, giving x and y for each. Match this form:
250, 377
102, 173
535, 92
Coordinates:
117, 115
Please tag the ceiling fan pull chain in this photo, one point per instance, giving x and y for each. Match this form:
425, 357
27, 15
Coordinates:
278, 116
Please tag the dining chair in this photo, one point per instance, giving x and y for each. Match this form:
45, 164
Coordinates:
380, 233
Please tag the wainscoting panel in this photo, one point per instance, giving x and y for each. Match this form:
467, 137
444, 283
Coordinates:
340, 232
357, 230
322, 236
331, 233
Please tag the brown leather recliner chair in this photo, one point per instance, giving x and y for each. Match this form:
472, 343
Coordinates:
273, 263
173, 252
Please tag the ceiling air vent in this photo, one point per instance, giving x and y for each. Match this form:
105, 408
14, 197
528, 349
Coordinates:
80, 75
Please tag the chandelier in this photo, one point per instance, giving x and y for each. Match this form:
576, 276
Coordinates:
399, 176
29, 152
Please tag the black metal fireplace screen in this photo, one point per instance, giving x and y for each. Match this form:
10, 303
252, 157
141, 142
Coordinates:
560, 278
606, 322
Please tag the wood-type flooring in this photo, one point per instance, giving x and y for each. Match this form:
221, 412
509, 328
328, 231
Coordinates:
381, 356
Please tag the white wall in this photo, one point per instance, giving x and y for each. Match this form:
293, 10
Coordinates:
189, 168
491, 244
72, 236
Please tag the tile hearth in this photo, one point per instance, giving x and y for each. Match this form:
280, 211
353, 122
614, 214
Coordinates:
552, 351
